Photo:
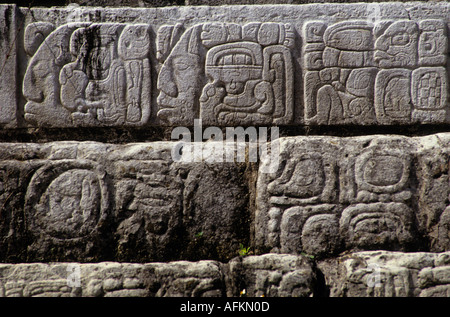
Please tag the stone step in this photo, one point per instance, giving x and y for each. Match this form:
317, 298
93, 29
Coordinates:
360, 274
166, 201
376, 64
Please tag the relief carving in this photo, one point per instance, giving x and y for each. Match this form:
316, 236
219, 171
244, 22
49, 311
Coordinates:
380, 193
148, 198
299, 212
66, 204
389, 72
249, 70
89, 75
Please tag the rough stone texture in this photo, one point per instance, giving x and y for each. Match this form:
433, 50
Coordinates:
90, 201
228, 65
333, 194
111, 279
361, 274
8, 66
388, 274
269, 275
87, 201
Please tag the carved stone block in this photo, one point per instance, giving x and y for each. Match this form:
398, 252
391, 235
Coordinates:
359, 72
434, 190
299, 197
186, 279
363, 193
389, 274
112, 279
249, 70
100, 76
271, 275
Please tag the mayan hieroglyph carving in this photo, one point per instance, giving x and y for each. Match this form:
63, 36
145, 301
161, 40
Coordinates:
86, 200
379, 185
389, 72
300, 198
271, 275
226, 74
335, 194
66, 203
148, 198
83, 74
393, 274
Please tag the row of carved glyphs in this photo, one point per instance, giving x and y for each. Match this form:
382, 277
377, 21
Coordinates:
328, 195
325, 198
229, 74
386, 73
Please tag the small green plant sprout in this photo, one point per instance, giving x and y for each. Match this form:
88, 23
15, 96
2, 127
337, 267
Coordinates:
243, 251
307, 255
198, 235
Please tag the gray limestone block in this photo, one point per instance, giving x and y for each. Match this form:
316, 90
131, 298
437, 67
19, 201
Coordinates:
300, 193
64, 86
388, 274
378, 184
332, 194
186, 279
111, 279
349, 82
434, 190
178, 210
8, 66
271, 275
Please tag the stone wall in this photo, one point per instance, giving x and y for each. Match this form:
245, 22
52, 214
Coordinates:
347, 192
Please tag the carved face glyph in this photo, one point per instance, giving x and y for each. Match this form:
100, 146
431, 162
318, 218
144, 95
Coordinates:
234, 64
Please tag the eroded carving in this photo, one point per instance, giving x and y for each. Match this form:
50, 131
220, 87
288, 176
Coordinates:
66, 204
271, 275
394, 274
89, 75
379, 191
149, 201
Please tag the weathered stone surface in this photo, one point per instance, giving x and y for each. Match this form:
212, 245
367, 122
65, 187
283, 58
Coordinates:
388, 274
317, 216
373, 64
360, 274
111, 279
434, 192
8, 66
87, 201
271, 275
186, 279
102, 76
333, 194
249, 68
